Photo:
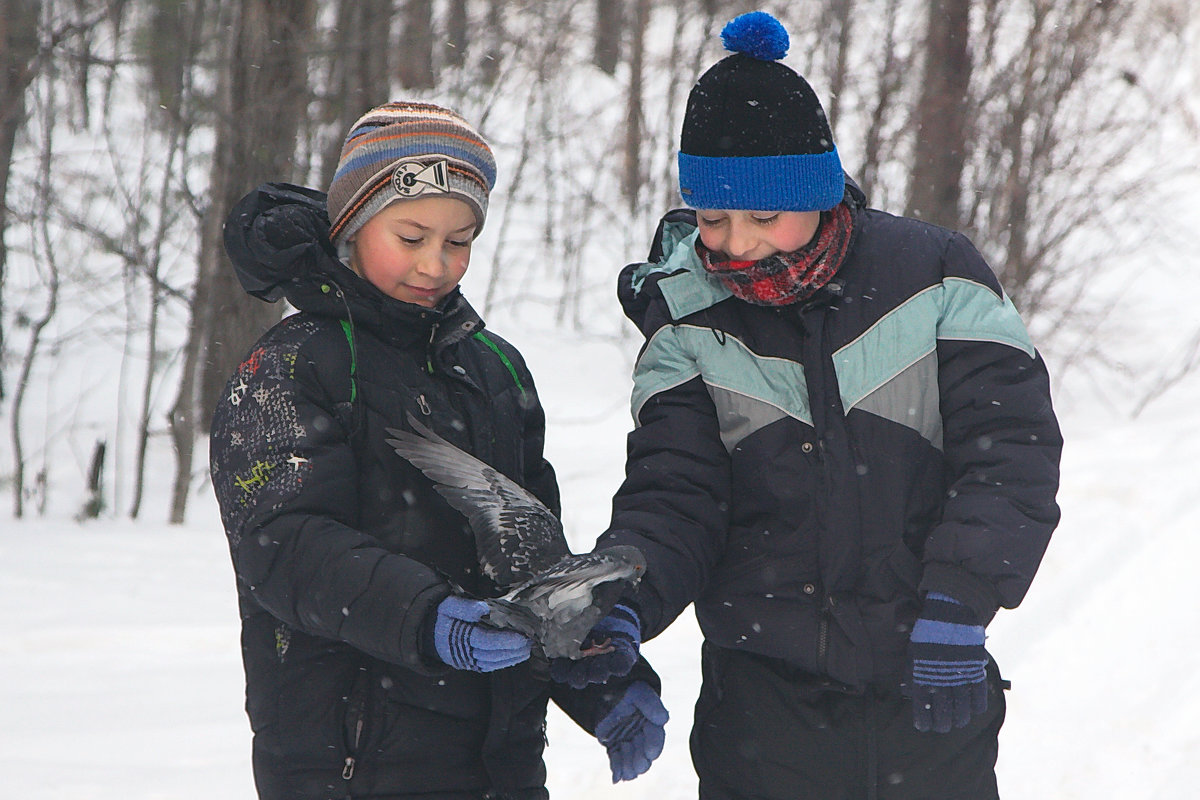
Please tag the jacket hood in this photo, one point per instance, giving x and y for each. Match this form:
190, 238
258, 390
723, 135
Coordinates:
277, 237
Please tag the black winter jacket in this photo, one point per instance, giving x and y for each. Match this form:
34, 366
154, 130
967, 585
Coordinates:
342, 549
804, 474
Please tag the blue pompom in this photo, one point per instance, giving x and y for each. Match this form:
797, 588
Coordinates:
758, 35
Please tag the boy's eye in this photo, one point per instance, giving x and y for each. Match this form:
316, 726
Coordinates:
766, 220
710, 222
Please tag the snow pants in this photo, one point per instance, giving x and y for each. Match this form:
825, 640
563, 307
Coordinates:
766, 731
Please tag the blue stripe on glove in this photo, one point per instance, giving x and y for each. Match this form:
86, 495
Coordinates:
633, 732
949, 665
623, 631
465, 643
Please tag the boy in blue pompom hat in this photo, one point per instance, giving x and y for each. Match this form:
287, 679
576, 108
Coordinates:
845, 456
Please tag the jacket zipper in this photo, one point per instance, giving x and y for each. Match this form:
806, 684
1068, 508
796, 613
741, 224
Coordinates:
823, 635
356, 710
429, 349
351, 761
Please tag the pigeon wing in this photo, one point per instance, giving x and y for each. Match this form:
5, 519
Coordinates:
516, 536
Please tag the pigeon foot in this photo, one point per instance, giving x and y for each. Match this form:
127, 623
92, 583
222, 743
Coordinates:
597, 648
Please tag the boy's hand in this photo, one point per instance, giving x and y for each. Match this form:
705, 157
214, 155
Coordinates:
948, 662
633, 732
461, 641
614, 643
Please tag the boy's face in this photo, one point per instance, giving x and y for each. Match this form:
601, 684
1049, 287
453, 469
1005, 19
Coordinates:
416, 250
754, 235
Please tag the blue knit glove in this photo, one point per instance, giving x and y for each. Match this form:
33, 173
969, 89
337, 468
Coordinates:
633, 732
464, 643
949, 679
622, 631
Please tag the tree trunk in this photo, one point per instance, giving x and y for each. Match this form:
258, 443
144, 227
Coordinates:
610, 26
457, 33
495, 36
889, 81
359, 71
18, 48
93, 504
841, 14
52, 276
631, 174
940, 118
266, 94
415, 66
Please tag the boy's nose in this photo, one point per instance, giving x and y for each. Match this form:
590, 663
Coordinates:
738, 245
434, 264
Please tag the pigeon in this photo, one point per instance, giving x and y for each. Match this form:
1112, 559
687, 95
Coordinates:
552, 596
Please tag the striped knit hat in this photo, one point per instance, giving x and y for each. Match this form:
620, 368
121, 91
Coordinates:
399, 151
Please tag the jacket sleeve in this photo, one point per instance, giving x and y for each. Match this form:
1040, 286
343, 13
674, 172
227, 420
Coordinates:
674, 502
1001, 443
589, 705
284, 470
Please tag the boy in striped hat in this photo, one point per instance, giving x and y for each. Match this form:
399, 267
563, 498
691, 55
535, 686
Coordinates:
370, 672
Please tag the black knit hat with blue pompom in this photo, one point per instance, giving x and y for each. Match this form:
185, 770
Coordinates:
754, 133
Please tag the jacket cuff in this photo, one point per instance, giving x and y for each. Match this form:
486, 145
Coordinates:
417, 634
965, 587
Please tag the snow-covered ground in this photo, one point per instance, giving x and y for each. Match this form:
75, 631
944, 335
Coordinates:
119, 660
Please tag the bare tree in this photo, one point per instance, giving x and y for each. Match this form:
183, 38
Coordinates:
940, 119
458, 33
172, 70
18, 52
414, 66
610, 27
839, 31
494, 38
880, 131
358, 71
51, 279
632, 174
1037, 126
265, 78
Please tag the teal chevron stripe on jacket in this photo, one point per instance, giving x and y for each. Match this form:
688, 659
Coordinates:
749, 390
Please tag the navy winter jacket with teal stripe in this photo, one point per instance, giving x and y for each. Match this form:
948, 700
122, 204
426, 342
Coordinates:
805, 474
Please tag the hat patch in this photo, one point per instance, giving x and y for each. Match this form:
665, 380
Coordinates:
412, 178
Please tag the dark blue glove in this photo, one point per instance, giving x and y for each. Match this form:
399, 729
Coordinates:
633, 732
949, 678
463, 642
621, 633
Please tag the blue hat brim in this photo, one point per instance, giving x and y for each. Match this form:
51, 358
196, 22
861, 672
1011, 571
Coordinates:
804, 182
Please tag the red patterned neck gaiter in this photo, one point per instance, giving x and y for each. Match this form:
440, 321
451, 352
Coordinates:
786, 278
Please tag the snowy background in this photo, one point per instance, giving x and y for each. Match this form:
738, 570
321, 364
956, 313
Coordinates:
120, 672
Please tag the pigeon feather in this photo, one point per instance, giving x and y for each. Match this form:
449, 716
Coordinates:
516, 536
